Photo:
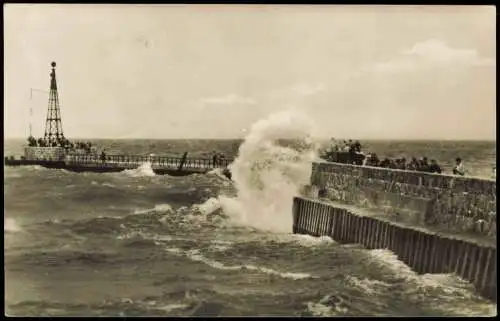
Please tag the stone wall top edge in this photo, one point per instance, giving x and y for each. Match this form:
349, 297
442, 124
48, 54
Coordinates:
43, 148
331, 164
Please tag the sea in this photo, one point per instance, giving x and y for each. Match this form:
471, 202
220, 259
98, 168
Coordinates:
137, 244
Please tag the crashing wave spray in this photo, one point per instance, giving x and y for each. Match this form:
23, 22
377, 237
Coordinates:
144, 169
267, 175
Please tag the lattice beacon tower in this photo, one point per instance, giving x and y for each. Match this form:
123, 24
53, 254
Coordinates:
53, 124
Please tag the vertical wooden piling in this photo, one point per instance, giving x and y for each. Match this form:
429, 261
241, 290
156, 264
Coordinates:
367, 232
350, 228
314, 219
357, 229
427, 257
473, 262
326, 220
336, 226
331, 222
459, 256
434, 254
361, 234
416, 248
491, 289
481, 262
464, 265
308, 217
406, 245
342, 225
294, 214
412, 246
440, 255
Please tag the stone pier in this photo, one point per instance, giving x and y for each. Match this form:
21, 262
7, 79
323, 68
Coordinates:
433, 223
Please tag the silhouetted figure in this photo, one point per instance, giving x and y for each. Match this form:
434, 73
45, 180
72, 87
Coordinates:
434, 167
385, 163
357, 147
459, 168
412, 165
222, 158
215, 159
423, 165
345, 148
103, 156
31, 141
403, 164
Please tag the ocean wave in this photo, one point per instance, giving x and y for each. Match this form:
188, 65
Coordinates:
144, 170
328, 306
195, 255
158, 208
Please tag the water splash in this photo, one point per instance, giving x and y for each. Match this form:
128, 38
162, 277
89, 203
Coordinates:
267, 174
144, 170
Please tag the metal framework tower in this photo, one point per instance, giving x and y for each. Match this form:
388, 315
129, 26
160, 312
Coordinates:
53, 123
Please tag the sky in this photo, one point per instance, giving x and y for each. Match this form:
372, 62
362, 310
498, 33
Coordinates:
210, 71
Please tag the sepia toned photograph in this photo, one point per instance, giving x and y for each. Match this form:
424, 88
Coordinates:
249, 160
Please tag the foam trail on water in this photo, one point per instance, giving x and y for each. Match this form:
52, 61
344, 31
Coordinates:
144, 170
267, 175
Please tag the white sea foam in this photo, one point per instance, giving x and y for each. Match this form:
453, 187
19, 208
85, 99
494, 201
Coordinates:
108, 185
157, 208
311, 241
195, 255
323, 309
172, 307
209, 206
452, 287
144, 170
10, 225
268, 175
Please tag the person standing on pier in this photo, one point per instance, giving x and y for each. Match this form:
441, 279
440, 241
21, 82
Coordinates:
434, 167
459, 168
103, 157
215, 159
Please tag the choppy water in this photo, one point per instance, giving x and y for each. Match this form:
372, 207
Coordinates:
132, 243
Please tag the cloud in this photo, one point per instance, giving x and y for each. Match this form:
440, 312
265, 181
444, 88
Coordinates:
227, 100
432, 52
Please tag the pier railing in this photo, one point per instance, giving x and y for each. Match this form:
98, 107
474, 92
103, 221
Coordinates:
137, 160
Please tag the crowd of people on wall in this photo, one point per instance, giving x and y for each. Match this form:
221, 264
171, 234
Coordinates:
421, 165
60, 142
371, 159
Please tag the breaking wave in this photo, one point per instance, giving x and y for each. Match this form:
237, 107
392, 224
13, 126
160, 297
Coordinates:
144, 170
267, 174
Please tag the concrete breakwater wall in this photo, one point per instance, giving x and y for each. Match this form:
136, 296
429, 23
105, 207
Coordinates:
453, 203
45, 153
422, 250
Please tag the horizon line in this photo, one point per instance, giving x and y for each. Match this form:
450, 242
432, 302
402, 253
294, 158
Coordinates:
243, 138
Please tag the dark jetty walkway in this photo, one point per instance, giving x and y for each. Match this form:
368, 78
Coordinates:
174, 166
